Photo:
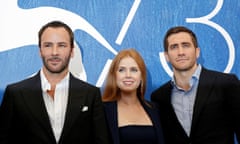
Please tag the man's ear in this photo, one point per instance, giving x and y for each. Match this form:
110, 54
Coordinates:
166, 56
197, 52
72, 52
39, 52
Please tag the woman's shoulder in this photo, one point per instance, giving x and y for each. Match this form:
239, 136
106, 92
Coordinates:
150, 104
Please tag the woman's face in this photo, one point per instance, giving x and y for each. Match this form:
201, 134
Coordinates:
128, 75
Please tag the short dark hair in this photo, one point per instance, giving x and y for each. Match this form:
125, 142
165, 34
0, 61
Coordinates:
179, 29
56, 24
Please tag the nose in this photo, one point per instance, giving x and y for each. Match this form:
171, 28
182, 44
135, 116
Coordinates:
128, 73
180, 51
54, 50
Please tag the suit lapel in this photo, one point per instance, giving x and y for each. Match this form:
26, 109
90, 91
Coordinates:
172, 120
32, 95
205, 85
75, 104
111, 115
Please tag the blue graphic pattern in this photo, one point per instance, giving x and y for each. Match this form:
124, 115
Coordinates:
145, 33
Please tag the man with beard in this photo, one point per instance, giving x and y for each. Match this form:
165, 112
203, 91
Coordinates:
198, 106
53, 106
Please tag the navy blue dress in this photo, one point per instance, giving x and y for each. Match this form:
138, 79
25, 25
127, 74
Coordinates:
137, 134
134, 134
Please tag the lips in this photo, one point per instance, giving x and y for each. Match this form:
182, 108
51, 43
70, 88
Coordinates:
55, 60
182, 59
128, 82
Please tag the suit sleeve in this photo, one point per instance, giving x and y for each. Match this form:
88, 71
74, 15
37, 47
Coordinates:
233, 93
6, 117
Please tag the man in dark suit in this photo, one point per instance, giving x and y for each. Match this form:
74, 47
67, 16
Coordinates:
198, 106
53, 107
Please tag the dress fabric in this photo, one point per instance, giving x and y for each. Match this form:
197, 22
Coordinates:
137, 134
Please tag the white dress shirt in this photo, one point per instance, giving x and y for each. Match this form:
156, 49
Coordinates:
56, 107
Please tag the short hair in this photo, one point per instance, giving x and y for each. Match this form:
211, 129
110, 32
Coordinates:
111, 91
56, 24
178, 29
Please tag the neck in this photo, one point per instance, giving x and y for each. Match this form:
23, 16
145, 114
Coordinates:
129, 99
182, 78
54, 78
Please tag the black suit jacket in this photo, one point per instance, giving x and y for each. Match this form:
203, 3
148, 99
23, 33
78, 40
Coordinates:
24, 118
111, 115
216, 113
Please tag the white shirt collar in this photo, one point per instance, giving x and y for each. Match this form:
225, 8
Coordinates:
46, 85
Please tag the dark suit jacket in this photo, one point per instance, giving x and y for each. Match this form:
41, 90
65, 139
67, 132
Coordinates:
111, 114
24, 118
216, 111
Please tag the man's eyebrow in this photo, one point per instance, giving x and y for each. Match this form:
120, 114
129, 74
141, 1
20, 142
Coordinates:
62, 42
47, 42
185, 43
175, 44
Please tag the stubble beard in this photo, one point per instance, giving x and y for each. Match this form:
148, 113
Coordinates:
63, 66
